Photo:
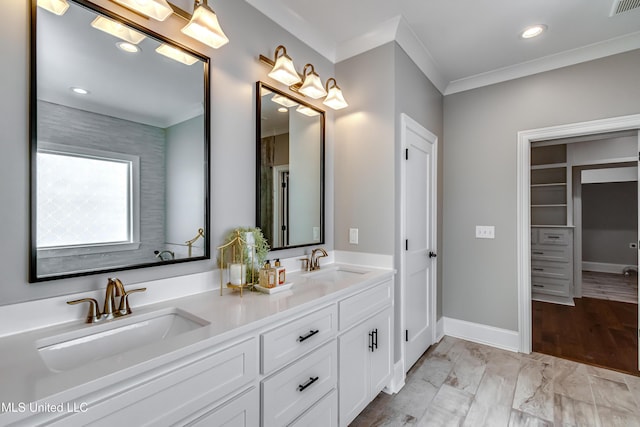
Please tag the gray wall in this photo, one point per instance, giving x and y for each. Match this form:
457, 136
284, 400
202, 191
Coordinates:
386, 83
481, 125
185, 186
610, 222
234, 70
69, 126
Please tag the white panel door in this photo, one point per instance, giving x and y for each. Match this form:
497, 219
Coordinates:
419, 230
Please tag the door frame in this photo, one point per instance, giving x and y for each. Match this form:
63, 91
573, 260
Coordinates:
406, 124
523, 199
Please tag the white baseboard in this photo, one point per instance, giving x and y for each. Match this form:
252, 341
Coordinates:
439, 330
603, 267
482, 334
397, 381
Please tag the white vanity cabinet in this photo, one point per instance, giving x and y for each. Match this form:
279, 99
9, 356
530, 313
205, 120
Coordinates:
178, 393
365, 349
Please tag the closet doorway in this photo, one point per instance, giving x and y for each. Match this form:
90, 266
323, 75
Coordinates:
584, 255
525, 235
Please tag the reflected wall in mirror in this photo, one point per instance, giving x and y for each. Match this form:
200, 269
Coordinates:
289, 169
119, 146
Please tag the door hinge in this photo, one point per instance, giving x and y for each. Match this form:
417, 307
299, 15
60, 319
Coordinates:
406, 244
284, 184
406, 335
406, 154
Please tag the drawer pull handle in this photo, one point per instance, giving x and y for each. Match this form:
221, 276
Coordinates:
553, 237
538, 286
538, 253
538, 269
309, 335
312, 380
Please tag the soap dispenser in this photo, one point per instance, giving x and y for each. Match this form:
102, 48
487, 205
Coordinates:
280, 273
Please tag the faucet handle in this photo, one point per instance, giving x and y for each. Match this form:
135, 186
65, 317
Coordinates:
93, 315
305, 264
125, 308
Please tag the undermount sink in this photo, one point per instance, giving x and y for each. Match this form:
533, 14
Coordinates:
94, 342
336, 274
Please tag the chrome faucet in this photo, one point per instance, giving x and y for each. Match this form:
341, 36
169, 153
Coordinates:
115, 288
314, 263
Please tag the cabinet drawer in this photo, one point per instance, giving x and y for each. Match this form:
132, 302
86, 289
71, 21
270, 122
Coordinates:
552, 236
551, 269
286, 343
322, 414
290, 392
551, 253
358, 307
534, 236
545, 285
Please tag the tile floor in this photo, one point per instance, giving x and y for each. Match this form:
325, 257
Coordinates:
460, 383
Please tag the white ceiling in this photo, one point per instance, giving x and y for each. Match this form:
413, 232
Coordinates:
462, 44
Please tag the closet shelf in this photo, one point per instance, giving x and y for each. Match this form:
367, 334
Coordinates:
549, 166
551, 184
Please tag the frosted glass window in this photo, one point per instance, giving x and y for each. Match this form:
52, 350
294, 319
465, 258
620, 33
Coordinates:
82, 200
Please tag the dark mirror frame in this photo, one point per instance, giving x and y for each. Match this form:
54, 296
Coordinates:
259, 86
33, 137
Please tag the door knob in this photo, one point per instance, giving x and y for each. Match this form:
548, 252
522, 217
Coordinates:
432, 254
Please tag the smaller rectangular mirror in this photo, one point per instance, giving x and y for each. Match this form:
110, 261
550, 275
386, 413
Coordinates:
289, 169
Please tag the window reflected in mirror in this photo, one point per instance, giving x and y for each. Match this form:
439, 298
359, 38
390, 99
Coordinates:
290, 170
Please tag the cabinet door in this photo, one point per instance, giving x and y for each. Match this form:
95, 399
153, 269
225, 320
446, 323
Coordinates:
381, 356
241, 411
353, 381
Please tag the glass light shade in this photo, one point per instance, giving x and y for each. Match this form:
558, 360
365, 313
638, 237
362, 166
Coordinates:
302, 109
284, 71
156, 9
59, 7
118, 30
283, 100
176, 54
335, 99
312, 86
204, 27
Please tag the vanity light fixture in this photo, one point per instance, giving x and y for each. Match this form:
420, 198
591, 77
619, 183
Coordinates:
176, 54
334, 98
303, 109
116, 29
533, 31
282, 68
59, 7
156, 9
283, 100
128, 47
204, 26
312, 85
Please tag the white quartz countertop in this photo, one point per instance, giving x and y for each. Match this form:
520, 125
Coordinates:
25, 378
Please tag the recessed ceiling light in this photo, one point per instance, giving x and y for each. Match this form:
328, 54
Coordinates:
128, 47
533, 31
282, 110
79, 91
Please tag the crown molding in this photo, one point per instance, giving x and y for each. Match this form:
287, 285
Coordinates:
547, 63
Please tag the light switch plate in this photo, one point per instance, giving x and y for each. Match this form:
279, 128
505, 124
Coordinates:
353, 236
485, 232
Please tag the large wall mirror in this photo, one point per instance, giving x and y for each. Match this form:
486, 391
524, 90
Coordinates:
289, 169
119, 146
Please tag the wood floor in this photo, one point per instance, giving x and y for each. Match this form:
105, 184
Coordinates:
595, 331
614, 287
